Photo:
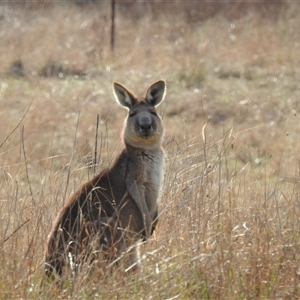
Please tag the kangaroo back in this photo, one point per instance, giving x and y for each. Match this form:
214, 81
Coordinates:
109, 214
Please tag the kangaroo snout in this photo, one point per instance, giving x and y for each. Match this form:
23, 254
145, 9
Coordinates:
145, 125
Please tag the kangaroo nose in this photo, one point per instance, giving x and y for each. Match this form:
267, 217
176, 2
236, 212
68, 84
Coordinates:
145, 125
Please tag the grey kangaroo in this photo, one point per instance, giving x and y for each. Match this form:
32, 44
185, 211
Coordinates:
111, 213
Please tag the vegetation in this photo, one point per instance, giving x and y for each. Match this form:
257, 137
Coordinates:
230, 213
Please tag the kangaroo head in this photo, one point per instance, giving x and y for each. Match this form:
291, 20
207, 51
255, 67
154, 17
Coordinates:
143, 127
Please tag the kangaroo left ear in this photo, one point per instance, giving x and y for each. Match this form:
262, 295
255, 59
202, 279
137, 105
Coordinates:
123, 96
156, 93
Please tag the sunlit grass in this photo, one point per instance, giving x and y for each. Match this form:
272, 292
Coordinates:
229, 224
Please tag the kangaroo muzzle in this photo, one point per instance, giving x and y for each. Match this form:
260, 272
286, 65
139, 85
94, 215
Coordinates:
144, 125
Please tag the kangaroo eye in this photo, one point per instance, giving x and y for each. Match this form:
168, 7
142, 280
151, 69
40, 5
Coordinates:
131, 114
153, 113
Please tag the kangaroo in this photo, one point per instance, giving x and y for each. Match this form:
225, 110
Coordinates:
116, 209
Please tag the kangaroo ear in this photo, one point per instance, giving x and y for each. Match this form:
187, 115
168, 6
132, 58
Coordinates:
123, 96
156, 93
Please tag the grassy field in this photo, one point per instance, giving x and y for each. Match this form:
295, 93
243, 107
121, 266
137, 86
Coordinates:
230, 208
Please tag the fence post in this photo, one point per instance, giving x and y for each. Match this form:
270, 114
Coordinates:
112, 31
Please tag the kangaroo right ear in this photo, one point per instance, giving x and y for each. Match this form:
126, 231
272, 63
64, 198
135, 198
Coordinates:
123, 96
156, 93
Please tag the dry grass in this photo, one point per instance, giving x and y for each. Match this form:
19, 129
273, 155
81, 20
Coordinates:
230, 214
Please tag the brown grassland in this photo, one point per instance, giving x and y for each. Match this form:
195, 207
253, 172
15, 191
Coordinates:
230, 208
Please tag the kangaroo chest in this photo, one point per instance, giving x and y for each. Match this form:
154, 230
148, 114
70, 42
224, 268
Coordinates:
150, 177
144, 176
152, 173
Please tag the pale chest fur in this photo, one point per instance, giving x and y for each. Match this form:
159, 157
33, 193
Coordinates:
152, 176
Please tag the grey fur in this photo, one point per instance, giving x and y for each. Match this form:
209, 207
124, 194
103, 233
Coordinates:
119, 206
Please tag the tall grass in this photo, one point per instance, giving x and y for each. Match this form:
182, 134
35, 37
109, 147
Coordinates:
229, 211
